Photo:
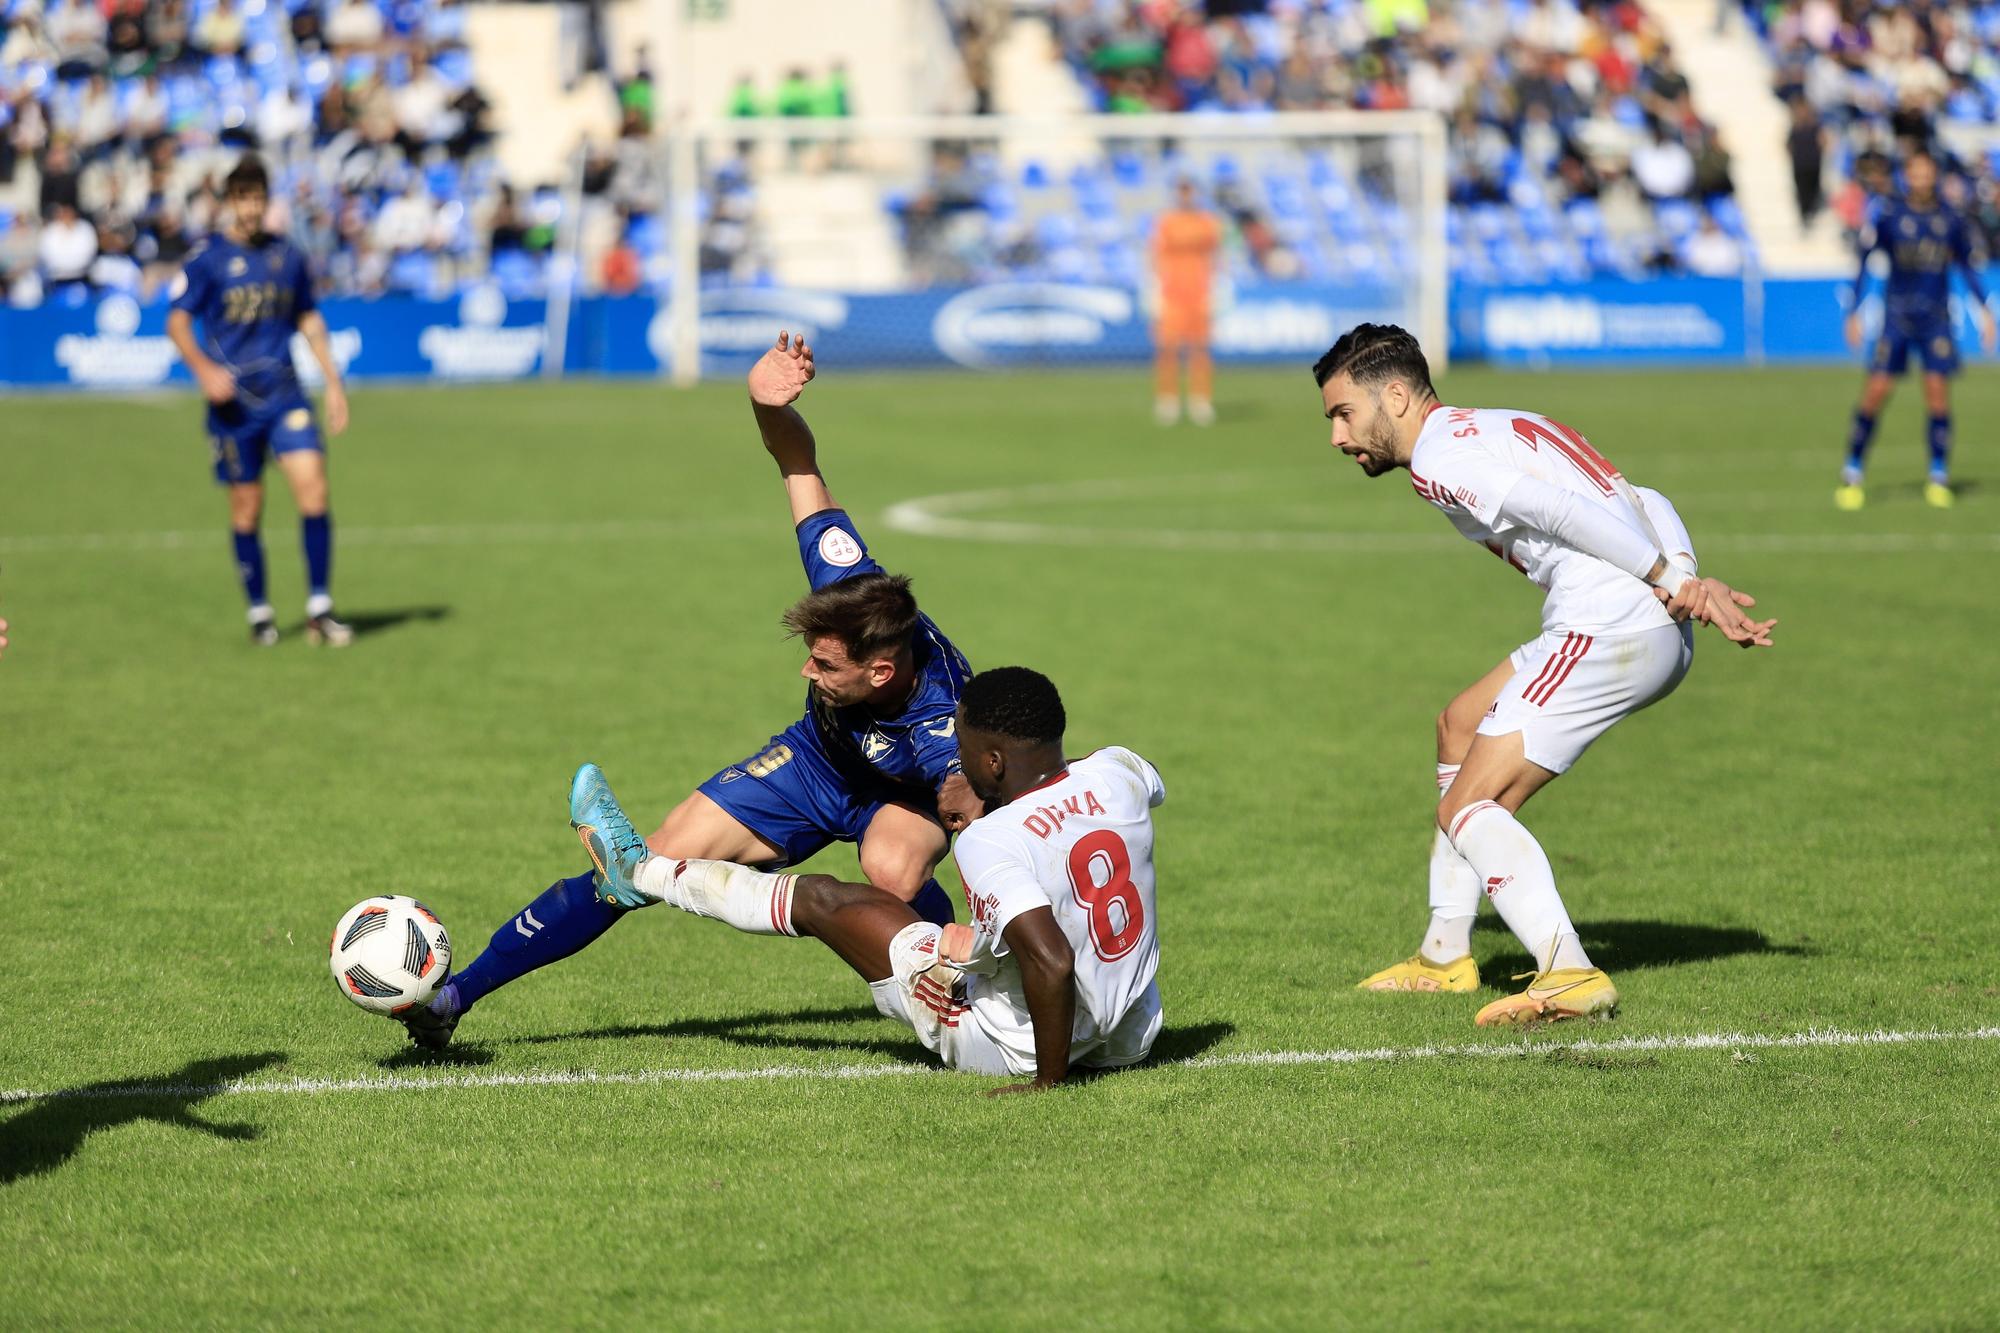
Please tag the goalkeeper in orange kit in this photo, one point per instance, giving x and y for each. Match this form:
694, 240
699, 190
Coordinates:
1187, 241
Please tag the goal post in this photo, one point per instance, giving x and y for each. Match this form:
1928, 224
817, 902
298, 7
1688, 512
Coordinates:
1002, 242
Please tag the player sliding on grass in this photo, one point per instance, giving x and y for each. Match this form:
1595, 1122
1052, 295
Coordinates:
873, 761
1619, 571
1058, 967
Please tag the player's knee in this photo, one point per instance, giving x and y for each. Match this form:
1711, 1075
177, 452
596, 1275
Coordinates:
895, 870
1456, 726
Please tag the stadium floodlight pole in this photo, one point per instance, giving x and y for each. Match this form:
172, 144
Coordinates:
1427, 128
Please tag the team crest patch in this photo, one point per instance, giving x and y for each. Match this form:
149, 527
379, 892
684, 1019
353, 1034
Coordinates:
238, 267
298, 419
874, 745
730, 775
837, 546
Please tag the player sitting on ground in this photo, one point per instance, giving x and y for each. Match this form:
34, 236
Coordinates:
250, 291
1924, 241
872, 762
1619, 572
1058, 967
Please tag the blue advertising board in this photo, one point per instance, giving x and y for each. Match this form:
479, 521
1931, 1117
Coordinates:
118, 343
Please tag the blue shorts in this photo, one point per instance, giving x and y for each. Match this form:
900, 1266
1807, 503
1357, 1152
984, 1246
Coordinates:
1891, 353
791, 795
244, 435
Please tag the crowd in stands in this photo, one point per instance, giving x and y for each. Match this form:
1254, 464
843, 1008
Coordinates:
118, 119
1574, 144
1868, 81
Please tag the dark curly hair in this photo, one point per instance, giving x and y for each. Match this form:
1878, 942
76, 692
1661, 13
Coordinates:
1374, 354
1015, 702
247, 174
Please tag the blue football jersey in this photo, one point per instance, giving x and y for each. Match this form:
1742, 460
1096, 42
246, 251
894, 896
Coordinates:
247, 300
917, 747
1923, 246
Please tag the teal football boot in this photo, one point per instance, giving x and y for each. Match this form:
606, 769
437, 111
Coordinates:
615, 847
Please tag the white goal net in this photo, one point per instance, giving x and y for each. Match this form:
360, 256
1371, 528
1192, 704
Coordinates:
1003, 242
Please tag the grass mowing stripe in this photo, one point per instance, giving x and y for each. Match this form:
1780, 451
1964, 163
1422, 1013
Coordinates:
1700, 1041
428, 534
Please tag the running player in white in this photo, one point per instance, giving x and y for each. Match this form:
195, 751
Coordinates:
1619, 571
1057, 969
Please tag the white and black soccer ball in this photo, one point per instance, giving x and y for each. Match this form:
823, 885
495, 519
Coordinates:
390, 953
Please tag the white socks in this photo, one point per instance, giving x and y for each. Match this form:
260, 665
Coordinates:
1454, 892
750, 900
1514, 870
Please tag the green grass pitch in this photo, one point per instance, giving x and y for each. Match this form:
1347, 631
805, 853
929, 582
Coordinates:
1797, 842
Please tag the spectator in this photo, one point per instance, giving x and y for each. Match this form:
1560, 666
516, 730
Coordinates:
66, 248
355, 26
220, 33
1713, 252
1662, 167
1805, 144
78, 30
114, 269
167, 32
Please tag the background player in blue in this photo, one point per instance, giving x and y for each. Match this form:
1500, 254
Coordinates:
250, 291
1924, 241
874, 761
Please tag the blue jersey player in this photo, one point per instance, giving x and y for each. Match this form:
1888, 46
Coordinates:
1924, 241
249, 292
874, 761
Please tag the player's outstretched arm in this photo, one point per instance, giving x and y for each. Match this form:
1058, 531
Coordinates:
776, 382
1048, 975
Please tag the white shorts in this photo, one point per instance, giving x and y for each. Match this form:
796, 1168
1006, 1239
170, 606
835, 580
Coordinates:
936, 1009
1567, 689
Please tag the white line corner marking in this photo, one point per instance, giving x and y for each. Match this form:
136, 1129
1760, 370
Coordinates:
1701, 1041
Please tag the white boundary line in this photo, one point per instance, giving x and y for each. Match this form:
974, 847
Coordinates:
947, 516
1701, 1041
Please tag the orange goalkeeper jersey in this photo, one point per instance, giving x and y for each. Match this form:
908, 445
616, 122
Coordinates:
1185, 245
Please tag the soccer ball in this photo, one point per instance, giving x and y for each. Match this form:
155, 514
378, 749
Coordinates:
390, 953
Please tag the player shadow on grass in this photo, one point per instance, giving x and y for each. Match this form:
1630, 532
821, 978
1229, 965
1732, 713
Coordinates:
756, 1030
51, 1130
375, 622
1619, 946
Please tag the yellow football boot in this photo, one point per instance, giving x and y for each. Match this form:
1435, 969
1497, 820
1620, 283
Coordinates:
1938, 495
1569, 992
1850, 498
1418, 973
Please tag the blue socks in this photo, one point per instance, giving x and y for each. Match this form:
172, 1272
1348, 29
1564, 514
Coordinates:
317, 533
250, 564
567, 917
1939, 437
1857, 446
933, 904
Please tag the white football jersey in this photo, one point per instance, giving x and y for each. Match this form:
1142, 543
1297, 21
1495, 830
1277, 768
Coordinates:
1465, 462
1082, 846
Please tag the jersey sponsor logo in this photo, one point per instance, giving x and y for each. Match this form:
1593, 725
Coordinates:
116, 355
874, 745
481, 345
769, 762
992, 324
837, 546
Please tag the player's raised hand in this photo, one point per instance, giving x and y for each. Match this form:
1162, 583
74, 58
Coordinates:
1725, 612
782, 373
